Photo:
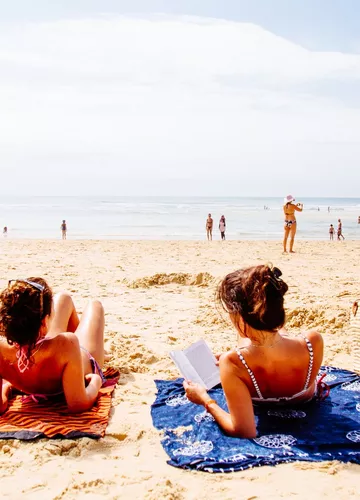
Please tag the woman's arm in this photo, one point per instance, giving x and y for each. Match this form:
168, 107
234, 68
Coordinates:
240, 422
5, 389
299, 207
78, 397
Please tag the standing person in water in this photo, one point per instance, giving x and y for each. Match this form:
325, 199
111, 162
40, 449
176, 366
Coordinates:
268, 366
290, 220
331, 232
5, 231
63, 228
222, 227
339, 230
209, 227
45, 349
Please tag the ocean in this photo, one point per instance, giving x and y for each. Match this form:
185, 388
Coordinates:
171, 218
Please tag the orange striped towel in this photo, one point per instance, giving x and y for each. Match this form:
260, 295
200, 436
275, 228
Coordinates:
27, 419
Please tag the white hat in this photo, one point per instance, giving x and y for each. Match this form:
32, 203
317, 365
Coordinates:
289, 198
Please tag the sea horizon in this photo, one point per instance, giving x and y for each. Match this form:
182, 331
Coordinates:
172, 217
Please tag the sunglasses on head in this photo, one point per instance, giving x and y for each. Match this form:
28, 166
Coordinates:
38, 287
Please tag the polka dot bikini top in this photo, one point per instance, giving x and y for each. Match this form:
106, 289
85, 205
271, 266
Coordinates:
285, 399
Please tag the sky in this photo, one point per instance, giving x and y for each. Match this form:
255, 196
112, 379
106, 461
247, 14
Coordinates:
201, 97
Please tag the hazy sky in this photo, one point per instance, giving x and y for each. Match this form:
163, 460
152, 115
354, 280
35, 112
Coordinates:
207, 97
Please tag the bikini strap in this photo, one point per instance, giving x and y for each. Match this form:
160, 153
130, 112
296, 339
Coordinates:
311, 362
23, 356
250, 372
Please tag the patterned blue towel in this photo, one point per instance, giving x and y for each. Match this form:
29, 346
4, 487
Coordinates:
316, 431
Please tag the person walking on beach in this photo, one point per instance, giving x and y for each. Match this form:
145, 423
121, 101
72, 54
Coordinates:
290, 221
222, 227
5, 231
63, 228
339, 230
209, 227
331, 232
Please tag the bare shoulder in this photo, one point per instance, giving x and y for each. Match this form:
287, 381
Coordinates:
231, 369
315, 338
65, 342
229, 360
317, 343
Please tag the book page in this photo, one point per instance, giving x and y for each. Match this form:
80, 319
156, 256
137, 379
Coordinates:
202, 359
185, 367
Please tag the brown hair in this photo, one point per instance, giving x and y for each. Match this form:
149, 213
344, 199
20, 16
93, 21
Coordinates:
257, 295
22, 309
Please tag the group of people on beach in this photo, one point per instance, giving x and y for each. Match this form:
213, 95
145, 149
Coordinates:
290, 225
47, 350
209, 227
338, 232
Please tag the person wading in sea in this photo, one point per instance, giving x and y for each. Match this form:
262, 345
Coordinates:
339, 231
63, 228
209, 227
222, 227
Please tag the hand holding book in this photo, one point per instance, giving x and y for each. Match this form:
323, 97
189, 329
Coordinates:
195, 392
198, 364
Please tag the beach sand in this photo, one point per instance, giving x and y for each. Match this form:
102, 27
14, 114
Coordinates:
159, 296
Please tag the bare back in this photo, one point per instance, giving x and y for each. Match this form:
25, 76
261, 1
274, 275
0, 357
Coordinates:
45, 372
280, 371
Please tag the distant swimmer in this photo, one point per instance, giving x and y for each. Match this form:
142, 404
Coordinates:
63, 228
290, 220
222, 227
339, 230
5, 231
331, 232
329, 209
209, 227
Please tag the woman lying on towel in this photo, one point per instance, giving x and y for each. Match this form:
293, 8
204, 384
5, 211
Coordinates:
45, 350
268, 366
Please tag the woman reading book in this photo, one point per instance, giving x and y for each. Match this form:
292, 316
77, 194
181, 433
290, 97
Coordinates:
45, 350
268, 366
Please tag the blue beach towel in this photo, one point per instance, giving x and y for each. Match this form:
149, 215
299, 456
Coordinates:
316, 431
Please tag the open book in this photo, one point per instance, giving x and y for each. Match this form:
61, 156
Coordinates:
198, 364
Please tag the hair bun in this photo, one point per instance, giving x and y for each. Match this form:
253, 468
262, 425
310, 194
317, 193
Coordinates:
257, 295
275, 280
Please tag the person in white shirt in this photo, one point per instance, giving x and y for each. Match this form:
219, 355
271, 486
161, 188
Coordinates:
222, 227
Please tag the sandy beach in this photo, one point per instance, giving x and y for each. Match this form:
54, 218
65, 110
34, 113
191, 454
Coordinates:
159, 296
